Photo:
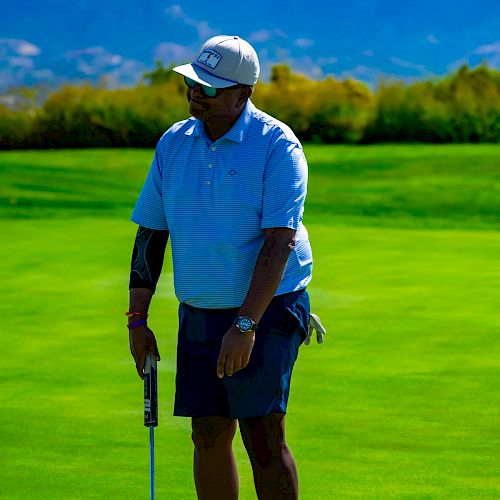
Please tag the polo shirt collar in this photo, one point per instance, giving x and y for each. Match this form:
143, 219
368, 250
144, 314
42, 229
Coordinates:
236, 133
196, 128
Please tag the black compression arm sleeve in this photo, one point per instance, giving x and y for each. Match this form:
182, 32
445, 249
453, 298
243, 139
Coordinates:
147, 258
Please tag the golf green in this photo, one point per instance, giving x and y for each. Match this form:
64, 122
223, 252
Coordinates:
401, 401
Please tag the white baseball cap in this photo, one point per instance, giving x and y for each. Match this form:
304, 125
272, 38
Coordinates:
223, 61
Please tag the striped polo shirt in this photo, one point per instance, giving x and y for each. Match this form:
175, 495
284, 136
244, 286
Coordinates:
216, 199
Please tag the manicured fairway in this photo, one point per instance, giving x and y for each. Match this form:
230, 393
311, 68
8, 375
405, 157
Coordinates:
402, 400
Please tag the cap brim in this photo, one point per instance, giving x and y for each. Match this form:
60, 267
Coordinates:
203, 77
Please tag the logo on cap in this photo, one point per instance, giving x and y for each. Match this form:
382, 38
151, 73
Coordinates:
210, 58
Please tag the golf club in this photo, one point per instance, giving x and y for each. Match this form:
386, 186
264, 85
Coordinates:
151, 412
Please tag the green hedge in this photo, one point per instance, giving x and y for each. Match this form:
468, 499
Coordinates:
462, 107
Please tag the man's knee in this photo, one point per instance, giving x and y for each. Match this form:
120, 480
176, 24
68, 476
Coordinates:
264, 438
210, 432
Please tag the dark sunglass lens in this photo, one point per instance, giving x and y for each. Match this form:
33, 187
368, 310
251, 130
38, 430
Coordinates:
210, 91
190, 82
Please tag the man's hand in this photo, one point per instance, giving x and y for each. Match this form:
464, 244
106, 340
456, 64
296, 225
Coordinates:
235, 351
142, 341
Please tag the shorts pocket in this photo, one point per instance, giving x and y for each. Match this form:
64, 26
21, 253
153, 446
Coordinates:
293, 315
191, 342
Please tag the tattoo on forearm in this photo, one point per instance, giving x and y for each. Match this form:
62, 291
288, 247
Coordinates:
274, 251
147, 258
269, 247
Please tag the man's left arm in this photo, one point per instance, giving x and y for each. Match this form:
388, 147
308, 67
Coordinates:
236, 346
284, 192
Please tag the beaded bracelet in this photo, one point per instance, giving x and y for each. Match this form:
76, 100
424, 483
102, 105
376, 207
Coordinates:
137, 323
133, 313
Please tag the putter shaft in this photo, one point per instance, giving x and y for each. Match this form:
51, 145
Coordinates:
152, 460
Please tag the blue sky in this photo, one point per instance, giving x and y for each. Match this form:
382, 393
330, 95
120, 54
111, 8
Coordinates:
58, 40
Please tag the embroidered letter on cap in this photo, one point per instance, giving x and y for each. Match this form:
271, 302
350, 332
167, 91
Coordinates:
210, 58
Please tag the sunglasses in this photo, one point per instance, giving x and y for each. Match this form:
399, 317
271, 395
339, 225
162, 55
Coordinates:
208, 91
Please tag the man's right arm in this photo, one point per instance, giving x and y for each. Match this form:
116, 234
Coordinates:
145, 270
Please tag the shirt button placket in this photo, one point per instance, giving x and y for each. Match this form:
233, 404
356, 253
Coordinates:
209, 176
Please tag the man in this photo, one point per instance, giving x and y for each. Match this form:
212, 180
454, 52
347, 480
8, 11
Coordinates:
228, 187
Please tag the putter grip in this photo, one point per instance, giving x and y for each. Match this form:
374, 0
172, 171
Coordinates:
150, 393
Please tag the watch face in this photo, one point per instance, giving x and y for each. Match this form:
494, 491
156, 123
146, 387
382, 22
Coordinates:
245, 323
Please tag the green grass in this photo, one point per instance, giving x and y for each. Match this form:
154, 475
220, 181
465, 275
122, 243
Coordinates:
401, 401
444, 186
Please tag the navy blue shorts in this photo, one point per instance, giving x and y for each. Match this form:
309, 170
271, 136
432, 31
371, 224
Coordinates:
262, 387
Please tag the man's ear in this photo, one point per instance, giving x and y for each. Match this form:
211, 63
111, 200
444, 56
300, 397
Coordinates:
245, 94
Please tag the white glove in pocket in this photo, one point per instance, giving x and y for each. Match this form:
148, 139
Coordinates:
315, 324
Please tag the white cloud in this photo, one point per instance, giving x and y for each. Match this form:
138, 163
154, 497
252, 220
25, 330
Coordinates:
116, 59
493, 48
175, 11
17, 47
264, 35
15, 73
325, 61
43, 74
17, 62
27, 49
202, 27
368, 53
23, 62
128, 72
86, 68
372, 75
303, 43
172, 53
306, 65
279, 33
260, 36
92, 60
275, 54
99, 55
98, 61
489, 53
492, 51
432, 39
408, 65
363, 72
281, 53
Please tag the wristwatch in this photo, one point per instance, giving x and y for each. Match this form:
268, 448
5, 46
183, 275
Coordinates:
245, 324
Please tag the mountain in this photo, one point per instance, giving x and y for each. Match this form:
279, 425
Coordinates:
115, 42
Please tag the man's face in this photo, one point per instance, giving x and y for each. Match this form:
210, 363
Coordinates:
226, 105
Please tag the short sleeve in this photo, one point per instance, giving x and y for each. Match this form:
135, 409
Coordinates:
285, 186
149, 210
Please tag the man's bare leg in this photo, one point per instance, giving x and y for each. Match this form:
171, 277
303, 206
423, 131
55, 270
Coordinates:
274, 470
215, 473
